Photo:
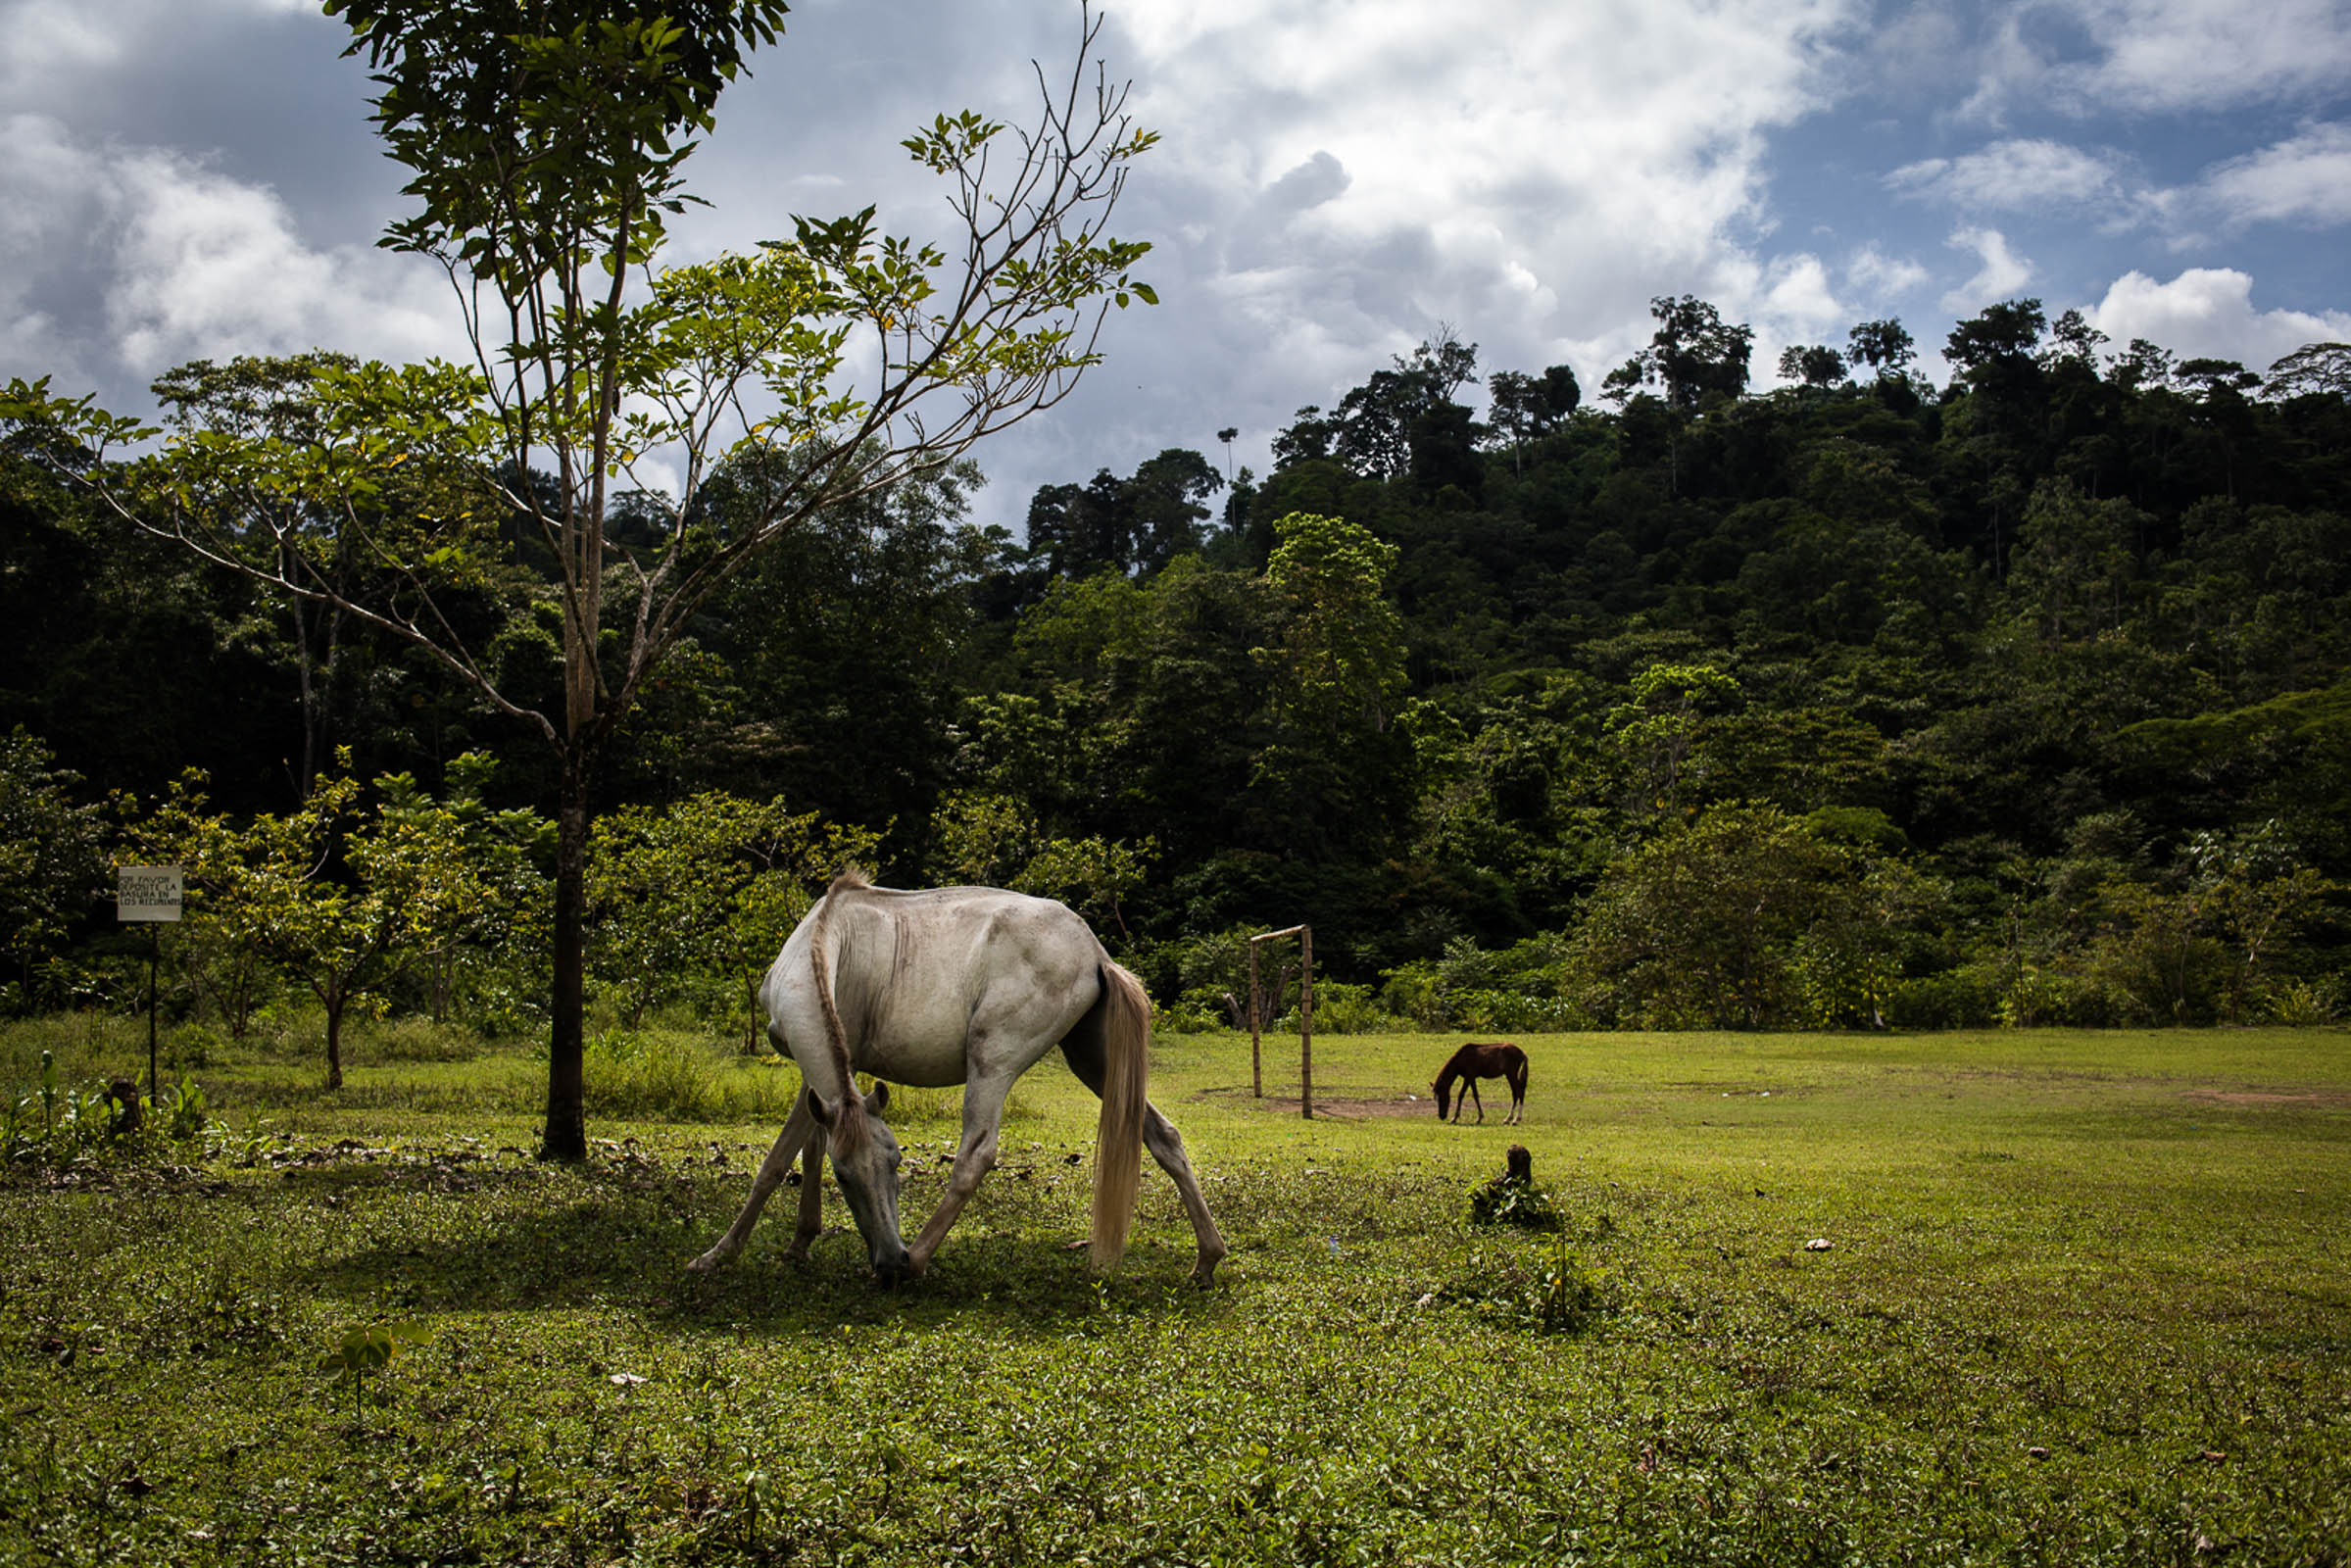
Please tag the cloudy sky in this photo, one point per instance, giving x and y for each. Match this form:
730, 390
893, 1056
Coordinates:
185, 179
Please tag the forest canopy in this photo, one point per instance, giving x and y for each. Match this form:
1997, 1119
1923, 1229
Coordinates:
1855, 702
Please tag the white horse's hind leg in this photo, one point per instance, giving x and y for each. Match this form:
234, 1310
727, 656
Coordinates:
983, 1109
1167, 1145
797, 1128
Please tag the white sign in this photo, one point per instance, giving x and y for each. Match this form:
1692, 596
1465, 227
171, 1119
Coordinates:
147, 892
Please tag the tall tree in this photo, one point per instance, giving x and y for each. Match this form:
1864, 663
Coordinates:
2314, 368
1814, 365
547, 141
1886, 347
1693, 353
1526, 408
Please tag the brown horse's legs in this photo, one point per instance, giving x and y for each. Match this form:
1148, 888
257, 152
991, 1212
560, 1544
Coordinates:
1473, 1094
1167, 1145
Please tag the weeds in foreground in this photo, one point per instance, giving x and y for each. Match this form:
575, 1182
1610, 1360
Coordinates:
59, 1123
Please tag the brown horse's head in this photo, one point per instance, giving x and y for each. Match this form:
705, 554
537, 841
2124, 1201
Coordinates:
1442, 1089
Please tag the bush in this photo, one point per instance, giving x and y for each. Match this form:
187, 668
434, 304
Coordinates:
1966, 998
2302, 1003
1516, 989
56, 1124
1197, 1010
1341, 1008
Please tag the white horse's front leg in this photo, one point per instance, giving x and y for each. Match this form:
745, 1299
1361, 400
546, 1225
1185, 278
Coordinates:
812, 1196
975, 1157
797, 1128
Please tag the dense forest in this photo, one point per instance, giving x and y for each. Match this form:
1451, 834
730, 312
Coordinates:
1853, 702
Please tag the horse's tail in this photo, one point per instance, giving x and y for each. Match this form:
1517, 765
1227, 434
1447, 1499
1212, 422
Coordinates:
1126, 1037
849, 1128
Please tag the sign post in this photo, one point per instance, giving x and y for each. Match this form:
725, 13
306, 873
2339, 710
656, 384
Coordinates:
149, 895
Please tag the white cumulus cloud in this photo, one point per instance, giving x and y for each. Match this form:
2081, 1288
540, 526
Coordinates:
2305, 179
179, 262
2001, 274
1877, 275
2170, 55
2209, 312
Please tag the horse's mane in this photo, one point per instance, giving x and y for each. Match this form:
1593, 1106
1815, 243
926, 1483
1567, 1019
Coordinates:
850, 1129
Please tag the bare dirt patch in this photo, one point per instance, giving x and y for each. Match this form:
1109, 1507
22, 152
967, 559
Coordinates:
2319, 1099
1339, 1104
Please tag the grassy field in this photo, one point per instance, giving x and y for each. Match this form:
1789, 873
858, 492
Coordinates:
2082, 1298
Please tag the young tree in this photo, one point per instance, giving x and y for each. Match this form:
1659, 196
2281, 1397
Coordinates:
1699, 927
344, 902
547, 142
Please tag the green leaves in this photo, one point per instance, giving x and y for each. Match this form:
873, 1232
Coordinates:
344, 899
950, 141
713, 882
1340, 654
370, 1348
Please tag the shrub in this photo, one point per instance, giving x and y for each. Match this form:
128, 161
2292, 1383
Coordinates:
2302, 1003
1517, 989
1965, 998
1341, 1008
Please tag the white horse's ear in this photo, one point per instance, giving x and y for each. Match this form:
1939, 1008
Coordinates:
880, 1098
819, 1110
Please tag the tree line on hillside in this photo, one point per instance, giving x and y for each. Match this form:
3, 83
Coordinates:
1851, 703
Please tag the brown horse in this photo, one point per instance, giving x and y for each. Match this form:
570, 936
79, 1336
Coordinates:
1473, 1063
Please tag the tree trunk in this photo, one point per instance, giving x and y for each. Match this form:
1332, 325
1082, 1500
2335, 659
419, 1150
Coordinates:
334, 999
567, 1133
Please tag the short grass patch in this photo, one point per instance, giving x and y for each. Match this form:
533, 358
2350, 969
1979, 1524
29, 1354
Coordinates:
1964, 1298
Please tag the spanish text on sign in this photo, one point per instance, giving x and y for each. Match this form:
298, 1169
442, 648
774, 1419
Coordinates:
147, 892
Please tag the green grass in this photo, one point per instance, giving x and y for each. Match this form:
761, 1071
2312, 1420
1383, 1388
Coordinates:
2087, 1300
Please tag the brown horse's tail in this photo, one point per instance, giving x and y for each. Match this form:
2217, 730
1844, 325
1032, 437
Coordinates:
1126, 1037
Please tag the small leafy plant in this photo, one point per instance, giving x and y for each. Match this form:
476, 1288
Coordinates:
367, 1348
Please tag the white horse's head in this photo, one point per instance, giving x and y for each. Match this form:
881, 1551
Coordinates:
865, 1160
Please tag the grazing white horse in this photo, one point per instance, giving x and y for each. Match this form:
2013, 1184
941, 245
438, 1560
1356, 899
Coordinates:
965, 985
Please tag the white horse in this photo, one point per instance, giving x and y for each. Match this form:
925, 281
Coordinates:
954, 986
